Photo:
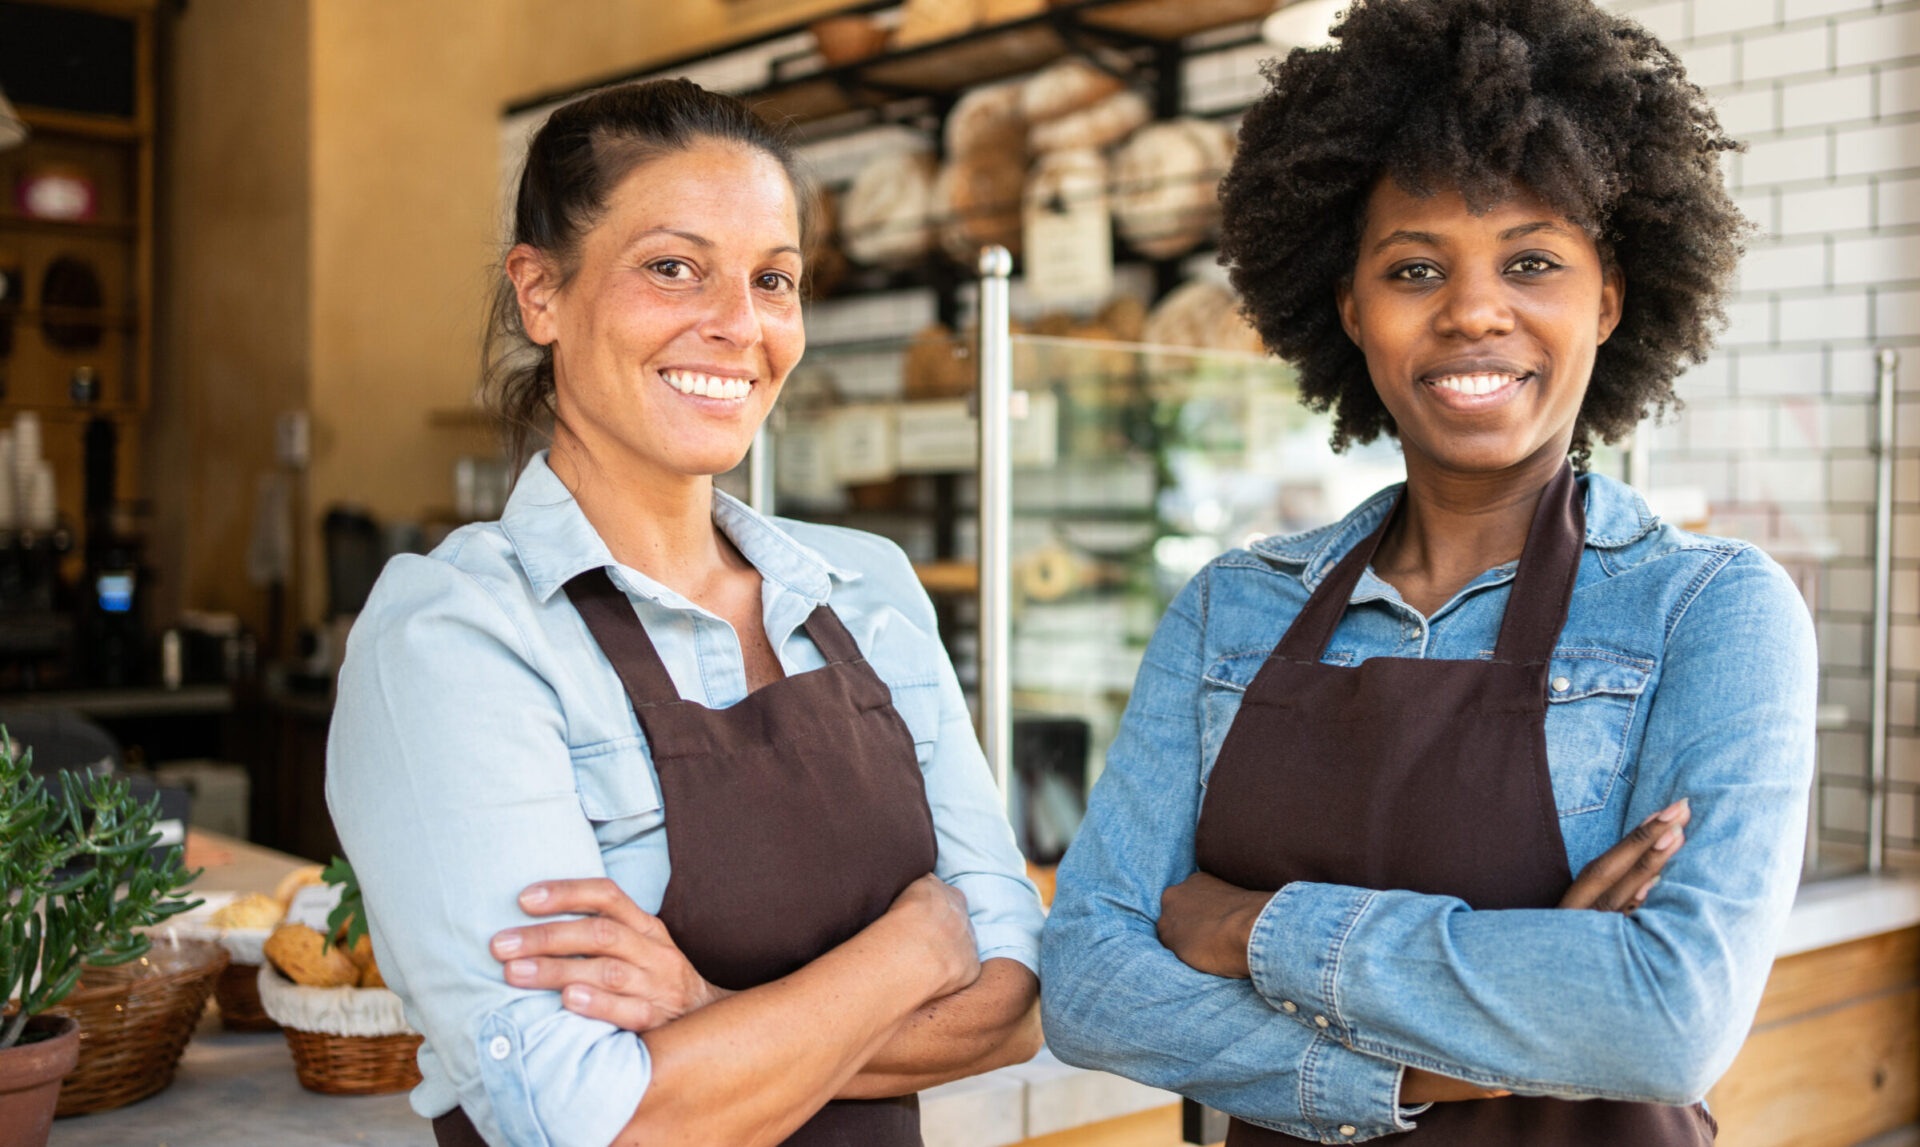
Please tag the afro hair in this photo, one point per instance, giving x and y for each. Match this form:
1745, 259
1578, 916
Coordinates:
1584, 108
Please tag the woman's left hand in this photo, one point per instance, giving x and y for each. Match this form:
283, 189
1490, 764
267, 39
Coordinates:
616, 964
1207, 922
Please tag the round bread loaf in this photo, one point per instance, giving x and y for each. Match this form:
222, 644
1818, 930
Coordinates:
884, 218
976, 198
1189, 315
987, 119
1106, 122
1061, 181
1066, 87
1164, 185
306, 958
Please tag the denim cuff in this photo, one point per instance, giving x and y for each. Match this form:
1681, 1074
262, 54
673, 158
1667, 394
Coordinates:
1295, 949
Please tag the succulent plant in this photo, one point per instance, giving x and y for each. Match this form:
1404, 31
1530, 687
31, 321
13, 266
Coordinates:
77, 881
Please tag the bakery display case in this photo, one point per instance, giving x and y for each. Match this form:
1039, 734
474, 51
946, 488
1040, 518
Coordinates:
1108, 472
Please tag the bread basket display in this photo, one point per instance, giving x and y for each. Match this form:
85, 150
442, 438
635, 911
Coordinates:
347, 1030
135, 1021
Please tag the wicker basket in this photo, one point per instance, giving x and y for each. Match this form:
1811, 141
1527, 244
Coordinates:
354, 1064
345, 1041
135, 1021
238, 994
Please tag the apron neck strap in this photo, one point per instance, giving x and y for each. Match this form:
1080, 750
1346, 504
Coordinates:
613, 623
1536, 608
830, 637
1307, 638
1549, 565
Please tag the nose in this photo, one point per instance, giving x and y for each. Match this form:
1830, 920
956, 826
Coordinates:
1475, 305
733, 318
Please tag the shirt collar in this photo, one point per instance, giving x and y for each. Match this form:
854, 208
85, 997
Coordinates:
555, 543
1616, 517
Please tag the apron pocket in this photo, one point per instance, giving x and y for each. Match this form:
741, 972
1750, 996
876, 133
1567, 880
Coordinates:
1592, 698
1222, 688
618, 790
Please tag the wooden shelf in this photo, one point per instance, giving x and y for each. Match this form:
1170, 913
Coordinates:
52, 122
109, 228
948, 576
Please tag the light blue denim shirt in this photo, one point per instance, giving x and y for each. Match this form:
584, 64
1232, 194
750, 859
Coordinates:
1691, 673
481, 742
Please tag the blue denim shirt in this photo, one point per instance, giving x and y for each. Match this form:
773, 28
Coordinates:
481, 742
1691, 671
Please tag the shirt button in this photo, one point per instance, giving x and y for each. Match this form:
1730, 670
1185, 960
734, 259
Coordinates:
1289, 1007
1560, 684
499, 1048
1348, 1129
1320, 1022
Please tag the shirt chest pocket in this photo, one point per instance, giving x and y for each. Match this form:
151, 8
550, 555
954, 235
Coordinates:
618, 791
1592, 700
918, 704
1222, 689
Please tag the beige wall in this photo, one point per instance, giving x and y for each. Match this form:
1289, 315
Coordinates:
351, 275
231, 333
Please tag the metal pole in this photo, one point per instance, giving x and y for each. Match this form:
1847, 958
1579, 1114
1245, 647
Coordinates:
760, 472
995, 358
1885, 389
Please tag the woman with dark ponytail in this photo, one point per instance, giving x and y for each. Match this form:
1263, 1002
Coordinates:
669, 817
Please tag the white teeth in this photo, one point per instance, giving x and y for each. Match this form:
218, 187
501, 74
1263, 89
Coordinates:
1475, 384
707, 385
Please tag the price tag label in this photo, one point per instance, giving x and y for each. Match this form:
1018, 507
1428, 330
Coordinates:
1069, 253
313, 904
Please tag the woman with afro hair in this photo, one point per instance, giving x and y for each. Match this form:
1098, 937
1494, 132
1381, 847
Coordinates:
1327, 881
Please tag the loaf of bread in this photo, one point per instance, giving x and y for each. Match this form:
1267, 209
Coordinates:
250, 911
1062, 181
1164, 185
293, 882
1066, 87
987, 119
1202, 314
304, 957
976, 198
884, 219
924, 21
1106, 122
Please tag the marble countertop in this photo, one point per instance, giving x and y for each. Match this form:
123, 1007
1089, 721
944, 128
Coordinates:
238, 1089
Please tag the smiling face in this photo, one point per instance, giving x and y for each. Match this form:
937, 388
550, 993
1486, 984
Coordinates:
681, 319
1479, 330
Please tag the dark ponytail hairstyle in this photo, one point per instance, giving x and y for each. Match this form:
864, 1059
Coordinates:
573, 163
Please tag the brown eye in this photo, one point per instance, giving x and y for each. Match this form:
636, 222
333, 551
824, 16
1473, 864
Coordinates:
670, 268
1417, 273
775, 282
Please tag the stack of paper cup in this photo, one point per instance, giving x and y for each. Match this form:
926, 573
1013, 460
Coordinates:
38, 508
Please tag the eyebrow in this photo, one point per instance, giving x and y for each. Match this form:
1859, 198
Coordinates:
1432, 240
704, 242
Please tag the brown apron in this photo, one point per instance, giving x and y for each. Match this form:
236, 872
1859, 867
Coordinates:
794, 819
1424, 775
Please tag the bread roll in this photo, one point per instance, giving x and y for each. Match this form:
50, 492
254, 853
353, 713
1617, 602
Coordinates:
1065, 87
977, 200
885, 217
1126, 317
304, 956
987, 119
1164, 185
1106, 122
294, 881
1189, 315
1073, 180
250, 911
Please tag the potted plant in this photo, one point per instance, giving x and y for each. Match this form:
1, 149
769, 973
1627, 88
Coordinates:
78, 882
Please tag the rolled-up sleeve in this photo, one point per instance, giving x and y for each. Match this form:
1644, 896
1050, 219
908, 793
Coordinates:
1114, 998
451, 786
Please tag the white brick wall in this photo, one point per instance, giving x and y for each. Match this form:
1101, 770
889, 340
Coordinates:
1778, 426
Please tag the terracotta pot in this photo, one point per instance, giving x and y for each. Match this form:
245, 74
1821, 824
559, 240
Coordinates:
30, 1076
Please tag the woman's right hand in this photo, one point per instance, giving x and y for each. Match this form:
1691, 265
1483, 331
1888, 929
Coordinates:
934, 913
